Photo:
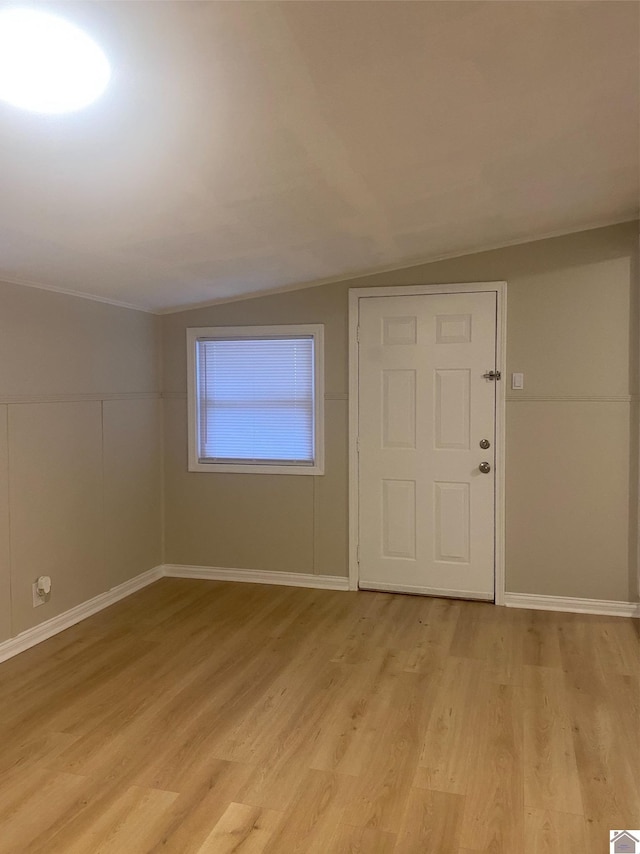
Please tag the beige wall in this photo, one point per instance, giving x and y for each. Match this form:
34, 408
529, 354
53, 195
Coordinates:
572, 433
80, 450
81, 436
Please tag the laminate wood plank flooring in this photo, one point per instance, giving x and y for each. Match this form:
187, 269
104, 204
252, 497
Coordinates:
203, 717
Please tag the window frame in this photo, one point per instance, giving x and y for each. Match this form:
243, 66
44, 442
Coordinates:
195, 334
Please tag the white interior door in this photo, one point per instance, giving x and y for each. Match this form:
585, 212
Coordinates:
426, 507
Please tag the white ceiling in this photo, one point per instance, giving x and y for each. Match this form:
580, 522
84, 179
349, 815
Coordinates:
251, 146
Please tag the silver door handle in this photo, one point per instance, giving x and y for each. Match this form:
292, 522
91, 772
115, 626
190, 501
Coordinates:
485, 468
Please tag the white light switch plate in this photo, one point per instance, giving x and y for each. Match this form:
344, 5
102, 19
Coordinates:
517, 381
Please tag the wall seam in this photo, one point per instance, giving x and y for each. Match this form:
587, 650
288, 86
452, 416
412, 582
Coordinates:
104, 510
163, 509
314, 527
25, 399
163, 462
9, 552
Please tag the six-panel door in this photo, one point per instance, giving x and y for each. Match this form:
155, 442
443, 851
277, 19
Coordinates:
426, 509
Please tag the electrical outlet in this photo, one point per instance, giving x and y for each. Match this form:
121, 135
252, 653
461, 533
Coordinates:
37, 598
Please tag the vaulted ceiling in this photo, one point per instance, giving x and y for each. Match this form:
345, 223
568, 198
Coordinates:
246, 146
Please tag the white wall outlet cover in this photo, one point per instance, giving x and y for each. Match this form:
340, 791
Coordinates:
40, 590
44, 585
517, 381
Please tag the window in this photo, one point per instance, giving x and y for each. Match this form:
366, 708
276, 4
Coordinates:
256, 398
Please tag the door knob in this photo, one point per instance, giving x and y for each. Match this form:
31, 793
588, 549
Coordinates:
485, 468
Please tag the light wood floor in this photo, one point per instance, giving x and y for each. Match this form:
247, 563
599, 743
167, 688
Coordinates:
209, 717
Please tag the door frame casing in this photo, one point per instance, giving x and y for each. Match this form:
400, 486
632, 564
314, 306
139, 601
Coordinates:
355, 295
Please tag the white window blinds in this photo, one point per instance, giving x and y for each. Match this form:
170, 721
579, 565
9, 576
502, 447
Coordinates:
256, 400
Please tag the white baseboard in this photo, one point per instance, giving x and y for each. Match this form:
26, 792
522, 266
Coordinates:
63, 621
603, 607
51, 627
258, 576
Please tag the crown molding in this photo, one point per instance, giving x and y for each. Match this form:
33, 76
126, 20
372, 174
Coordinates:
392, 268
24, 283
330, 280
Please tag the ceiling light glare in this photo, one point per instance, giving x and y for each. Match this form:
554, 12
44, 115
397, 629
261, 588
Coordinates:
48, 65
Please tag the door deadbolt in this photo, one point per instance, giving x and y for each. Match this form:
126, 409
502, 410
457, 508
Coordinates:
484, 444
485, 468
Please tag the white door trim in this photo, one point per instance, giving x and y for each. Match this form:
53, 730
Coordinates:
355, 295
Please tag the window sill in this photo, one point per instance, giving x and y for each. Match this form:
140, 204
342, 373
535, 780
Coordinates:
213, 468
